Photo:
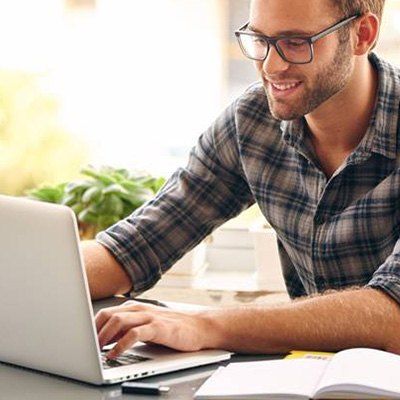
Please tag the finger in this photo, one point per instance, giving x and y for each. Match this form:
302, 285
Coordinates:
105, 314
143, 333
101, 318
118, 324
110, 329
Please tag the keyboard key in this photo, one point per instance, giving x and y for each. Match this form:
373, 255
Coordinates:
126, 358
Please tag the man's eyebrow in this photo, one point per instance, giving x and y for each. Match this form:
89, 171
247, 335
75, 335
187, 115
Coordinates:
294, 32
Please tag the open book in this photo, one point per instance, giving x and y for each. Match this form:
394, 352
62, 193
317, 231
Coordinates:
349, 374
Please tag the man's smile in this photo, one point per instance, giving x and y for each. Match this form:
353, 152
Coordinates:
283, 88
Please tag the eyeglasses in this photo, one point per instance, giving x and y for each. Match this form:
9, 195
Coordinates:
292, 49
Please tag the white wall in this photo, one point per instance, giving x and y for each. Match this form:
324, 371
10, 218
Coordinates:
135, 78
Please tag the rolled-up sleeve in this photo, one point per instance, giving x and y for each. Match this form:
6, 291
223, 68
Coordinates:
387, 276
194, 201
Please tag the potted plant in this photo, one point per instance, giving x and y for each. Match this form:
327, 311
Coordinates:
106, 196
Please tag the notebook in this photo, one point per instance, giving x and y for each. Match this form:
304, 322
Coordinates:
349, 374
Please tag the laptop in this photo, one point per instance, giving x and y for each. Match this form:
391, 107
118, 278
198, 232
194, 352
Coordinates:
46, 314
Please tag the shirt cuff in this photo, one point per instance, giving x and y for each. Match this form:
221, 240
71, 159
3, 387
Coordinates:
129, 257
388, 282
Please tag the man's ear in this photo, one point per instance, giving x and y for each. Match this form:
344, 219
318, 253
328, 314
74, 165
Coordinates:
366, 33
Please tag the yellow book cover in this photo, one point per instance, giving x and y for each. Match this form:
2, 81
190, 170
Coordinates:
316, 355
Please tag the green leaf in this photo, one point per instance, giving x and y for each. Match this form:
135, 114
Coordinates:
105, 221
108, 206
129, 208
115, 205
120, 175
77, 187
154, 184
87, 216
77, 208
122, 171
70, 199
145, 180
104, 178
158, 184
50, 194
115, 188
131, 186
137, 199
93, 194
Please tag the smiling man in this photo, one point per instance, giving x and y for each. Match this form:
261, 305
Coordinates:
315, 144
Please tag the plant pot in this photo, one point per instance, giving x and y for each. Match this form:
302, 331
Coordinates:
87, 231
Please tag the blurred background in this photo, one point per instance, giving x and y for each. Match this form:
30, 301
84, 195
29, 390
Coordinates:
125, 83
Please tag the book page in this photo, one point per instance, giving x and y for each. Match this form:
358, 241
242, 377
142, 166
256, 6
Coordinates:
360, 369
257, 378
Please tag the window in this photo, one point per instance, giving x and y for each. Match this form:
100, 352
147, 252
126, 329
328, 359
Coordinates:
134, 91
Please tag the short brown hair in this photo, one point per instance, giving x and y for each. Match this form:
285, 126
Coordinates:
348, 8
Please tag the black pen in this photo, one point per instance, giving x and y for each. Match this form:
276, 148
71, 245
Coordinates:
143, 388
150, 301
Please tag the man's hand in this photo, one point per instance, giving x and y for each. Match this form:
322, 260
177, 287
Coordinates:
133, 321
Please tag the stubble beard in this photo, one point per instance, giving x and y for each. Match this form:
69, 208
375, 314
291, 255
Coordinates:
329, 81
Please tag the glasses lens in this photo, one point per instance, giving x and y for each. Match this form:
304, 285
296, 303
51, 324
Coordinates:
295, 50
253, 46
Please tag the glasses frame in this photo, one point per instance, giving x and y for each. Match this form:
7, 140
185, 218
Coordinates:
273, 40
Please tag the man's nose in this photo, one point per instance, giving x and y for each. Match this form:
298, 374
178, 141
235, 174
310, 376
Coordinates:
274, 63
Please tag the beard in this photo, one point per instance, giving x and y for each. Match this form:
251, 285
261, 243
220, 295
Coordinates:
330, 80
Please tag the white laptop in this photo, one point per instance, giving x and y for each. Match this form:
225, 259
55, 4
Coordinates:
46, 315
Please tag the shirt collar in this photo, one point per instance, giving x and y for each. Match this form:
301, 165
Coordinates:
385, 118
381, 136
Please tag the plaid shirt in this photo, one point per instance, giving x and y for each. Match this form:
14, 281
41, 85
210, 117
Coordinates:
332, 233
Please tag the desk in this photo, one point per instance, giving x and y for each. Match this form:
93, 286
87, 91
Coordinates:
22, 384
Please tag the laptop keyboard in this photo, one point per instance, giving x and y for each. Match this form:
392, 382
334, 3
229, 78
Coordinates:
127, 358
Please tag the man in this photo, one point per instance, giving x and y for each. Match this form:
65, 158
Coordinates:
315, 144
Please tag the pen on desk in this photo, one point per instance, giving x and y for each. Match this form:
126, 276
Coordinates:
151, 301
143, 388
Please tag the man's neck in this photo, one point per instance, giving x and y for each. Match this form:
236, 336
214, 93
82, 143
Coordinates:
341, 122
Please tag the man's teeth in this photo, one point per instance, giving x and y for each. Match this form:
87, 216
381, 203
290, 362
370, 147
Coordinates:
286, 86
